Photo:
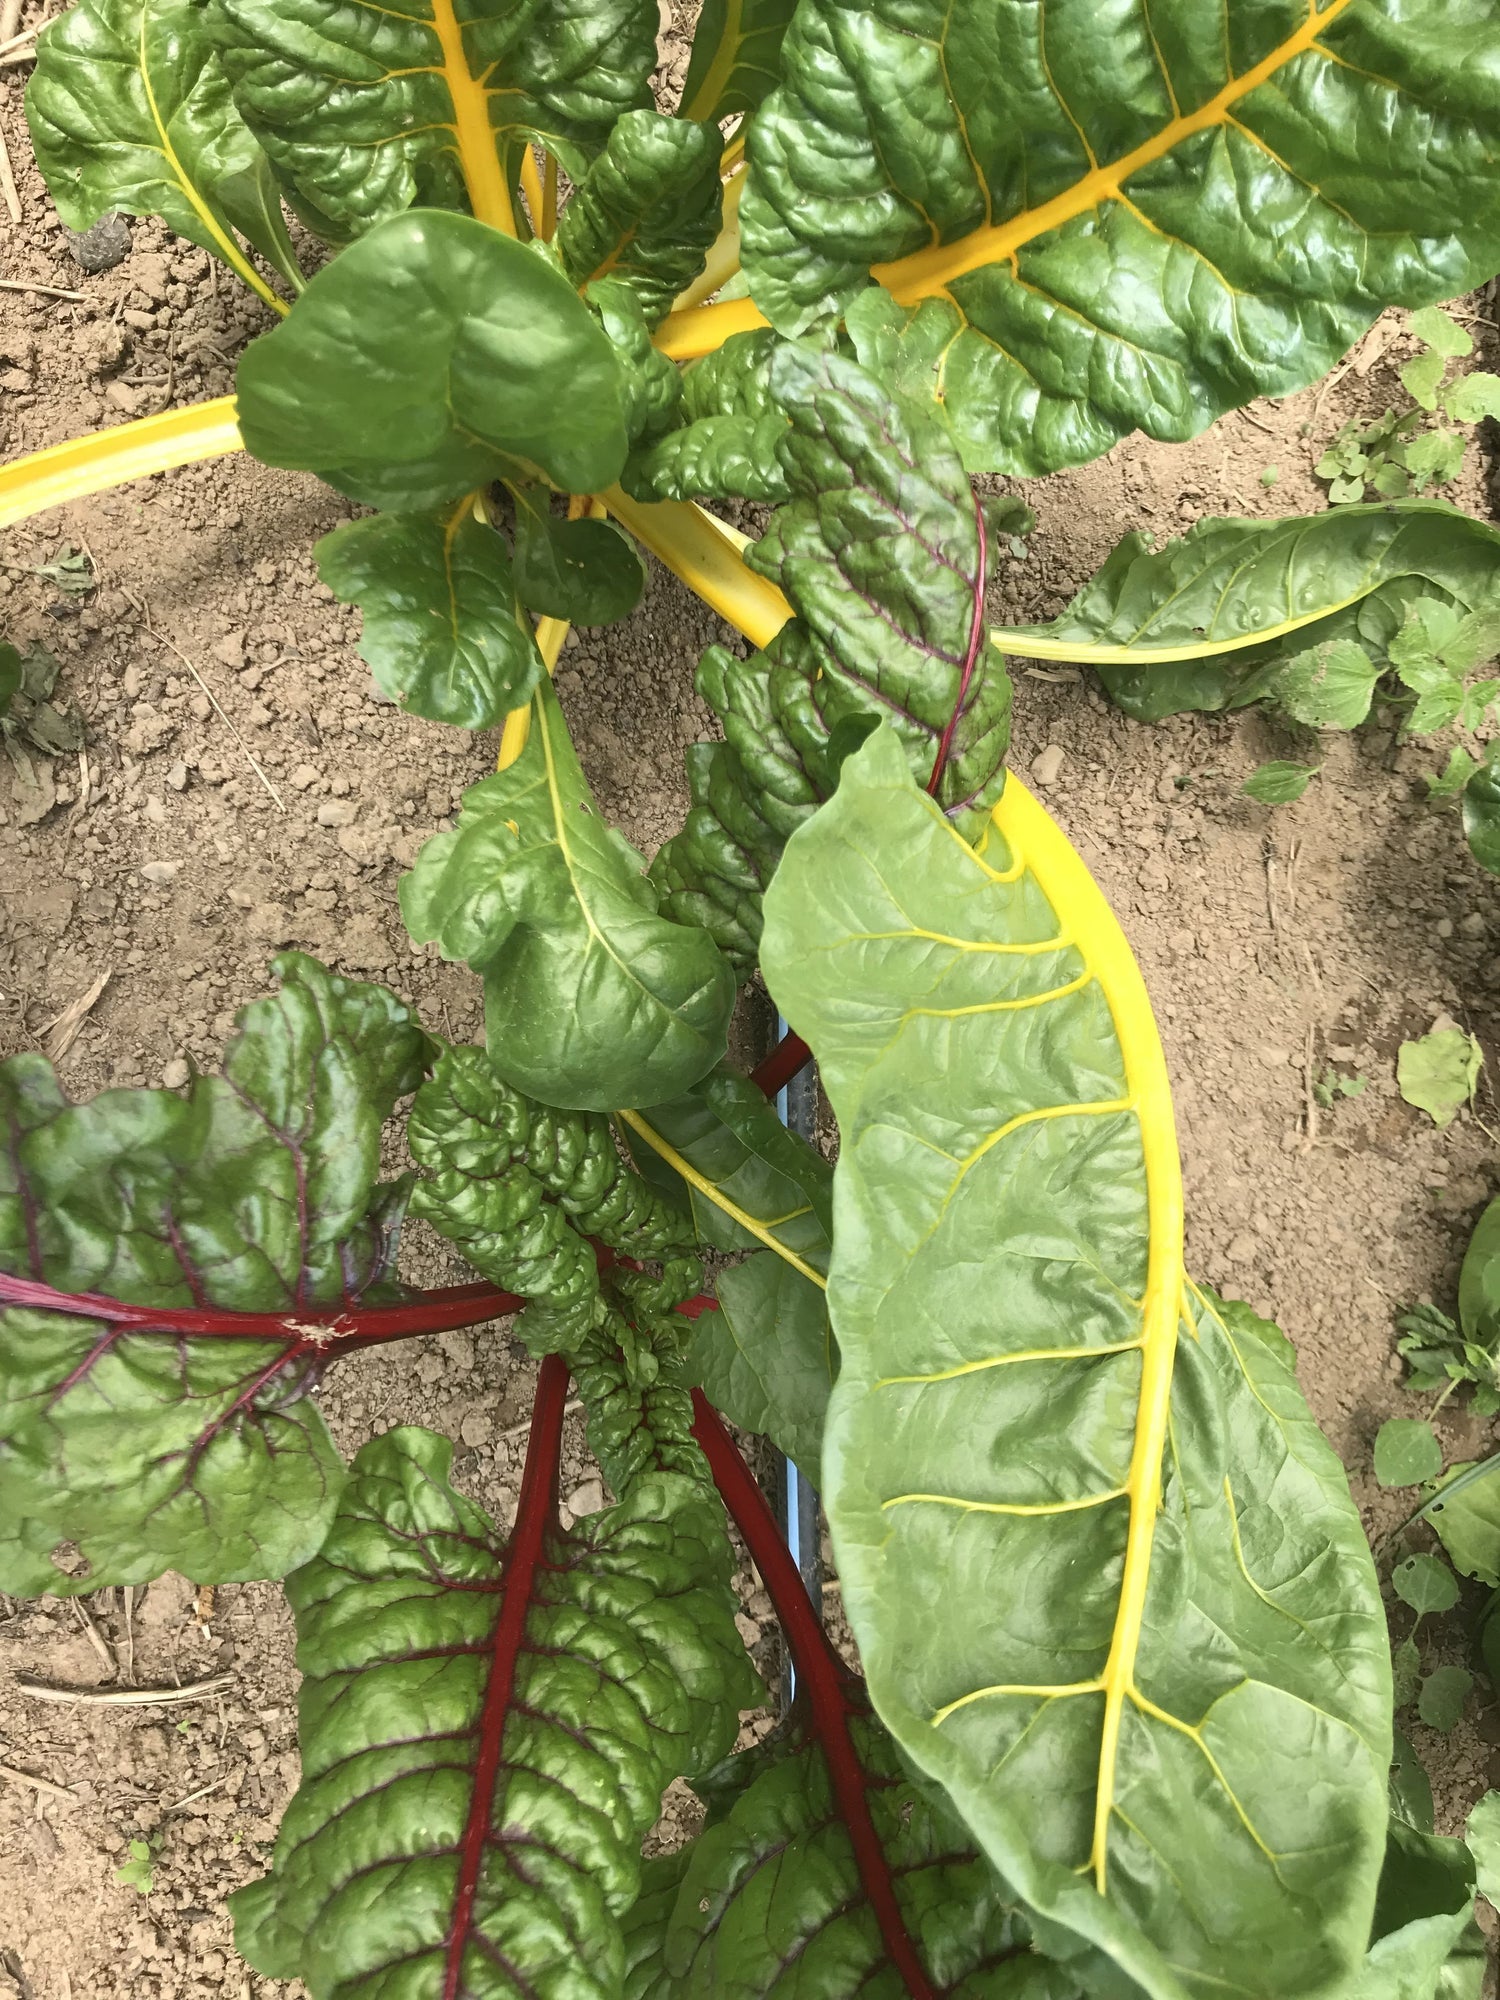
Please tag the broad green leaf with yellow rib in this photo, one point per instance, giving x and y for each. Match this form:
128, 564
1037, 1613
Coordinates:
1102, 219
367, 109
736, 56
1106, 1577
1301, 611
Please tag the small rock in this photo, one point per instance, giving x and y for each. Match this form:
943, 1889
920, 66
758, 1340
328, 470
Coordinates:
1444, 927
142, 322
1275, 1058
259, 715
337, 812
176, 1074
160, 873
1242, 1249
1473, 925
167, 1601
477, 1427
230, 650
587, 1498
271, 923
156, 811
177, 776
1047, 763
303, 776
149, 730
101, 247
1184, 943
747, 1628
200, 707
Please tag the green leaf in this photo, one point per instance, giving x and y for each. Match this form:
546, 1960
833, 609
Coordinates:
1406, 1452
736, 56
1212, 620
366, 110
881, 554
441, 633
1479, 1281
585, 571
1126, 221
1468, 1524
1425, 1945
1411, 1790
1435, 458
769, 1900
137, 1873
1008, 1328
1327, 687
1456, 773
1440, 1703
726, 445
592, 1000
1423, 377
1481, 814
766, 1359
10, 677
1483, 1837
486, 1734
1444, 336
257, 1191
1438, 1072
429, 358
1473, 397
1424, 1583
1279, 783
130, 109
647, 211
1406, 1676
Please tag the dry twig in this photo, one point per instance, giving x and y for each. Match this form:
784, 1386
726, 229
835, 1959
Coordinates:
8, 183
172, 647
26, 284
95, 1638
63, 1032
43, 1785
126, 1697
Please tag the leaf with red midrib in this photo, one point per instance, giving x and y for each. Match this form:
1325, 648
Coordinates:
486, 1732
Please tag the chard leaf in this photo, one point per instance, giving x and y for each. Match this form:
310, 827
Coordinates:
441, 633
1481, 814
1128, 218
583, 571
1479, 1282
647, 210
366, 109
430, 357
1468, 1525
592, 1000
726, 446
1438, 1072
130, 109
769, 1901
1231, 611
1184, 1676
486, 1731
882, 551
736, 56
1426, 1945
255, 1191
767, 1358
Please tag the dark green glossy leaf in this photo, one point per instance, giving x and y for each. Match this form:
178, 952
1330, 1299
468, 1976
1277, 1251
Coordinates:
1126, 218
1481, 812
651, 386
585, 571
368, 109
129, 109
766, 1359
1106, 1578
647, 210
768, 1903
429, 358
1424, 1943
257, 1191
441, 633
485, 1736
736, 56
1482, 1836
592, 999
726, 445
882, 554
1411, 1789
1267, 608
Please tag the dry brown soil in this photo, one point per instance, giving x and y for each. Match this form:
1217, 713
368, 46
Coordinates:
245, 791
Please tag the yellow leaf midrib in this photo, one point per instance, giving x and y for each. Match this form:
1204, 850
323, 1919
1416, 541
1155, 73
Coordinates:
478, 153
929, 270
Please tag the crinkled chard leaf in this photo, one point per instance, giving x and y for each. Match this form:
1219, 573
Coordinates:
1129, 218
366, 109
592, 1000
255, 1191
1107, 1580
883, 553
769, 1902
429, 358
736, 56
1302, 610
129, 109
647, 210
584, 571
486, 1731
441, 634
725, 446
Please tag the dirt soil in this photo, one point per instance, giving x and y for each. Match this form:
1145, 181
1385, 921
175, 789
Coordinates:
243, 789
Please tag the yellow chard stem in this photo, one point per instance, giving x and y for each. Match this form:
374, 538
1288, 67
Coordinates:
705, 555
684, 336
535, 193
102, 459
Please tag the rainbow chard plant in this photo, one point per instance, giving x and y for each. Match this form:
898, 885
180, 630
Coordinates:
1123, 1721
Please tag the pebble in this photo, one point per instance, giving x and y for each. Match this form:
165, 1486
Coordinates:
337, 812
176, 1074
230, 650
587, 1498
1241, 1249
101, 247
1047, 763
160, 873
303, 776
177, 776
747, 1628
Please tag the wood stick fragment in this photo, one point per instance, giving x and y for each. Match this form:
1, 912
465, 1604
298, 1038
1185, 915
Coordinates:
126, 1697
171, 645
42, 1785
26, 284
96, 1639
8, 183
63, 1031
9, 38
